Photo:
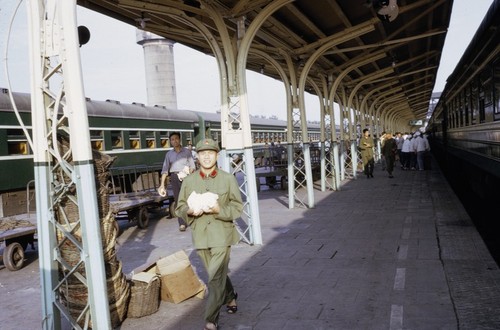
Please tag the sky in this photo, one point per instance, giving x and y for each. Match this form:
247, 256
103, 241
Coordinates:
113, 63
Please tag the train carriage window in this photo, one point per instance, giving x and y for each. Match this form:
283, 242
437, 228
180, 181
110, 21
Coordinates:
496, 88
135, 140
463, 99
487, 87
17, 143
459, 104
186, 137
482, 112
474, 101
453, 110
96, 140
116, 140
481, 101
164, 141
215, 135
451, 115
467, 96
150, 140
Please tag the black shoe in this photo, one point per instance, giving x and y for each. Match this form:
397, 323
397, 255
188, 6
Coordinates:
391, 176
232, 309
371, 175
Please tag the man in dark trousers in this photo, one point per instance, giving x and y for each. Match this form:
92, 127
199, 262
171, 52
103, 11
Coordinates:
178, 163
389, 150
210, 201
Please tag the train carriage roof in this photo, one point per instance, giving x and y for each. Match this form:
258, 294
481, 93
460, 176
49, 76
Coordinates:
109, 108
116, 109
409, 47
255, 121
23, 101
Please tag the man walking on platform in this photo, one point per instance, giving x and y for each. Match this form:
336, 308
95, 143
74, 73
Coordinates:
178, 163
366, 148
389, 150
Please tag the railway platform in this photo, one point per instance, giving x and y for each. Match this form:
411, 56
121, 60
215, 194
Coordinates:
381, 253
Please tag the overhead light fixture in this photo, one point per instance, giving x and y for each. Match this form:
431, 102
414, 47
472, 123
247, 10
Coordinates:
83, 35
387, 10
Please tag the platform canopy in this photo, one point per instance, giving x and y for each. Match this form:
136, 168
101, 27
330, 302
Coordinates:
410, 41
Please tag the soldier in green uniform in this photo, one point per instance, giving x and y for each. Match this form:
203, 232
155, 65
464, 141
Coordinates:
366, 147
212, 226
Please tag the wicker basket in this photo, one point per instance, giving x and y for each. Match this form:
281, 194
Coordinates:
144, 298
117, 310
75, 297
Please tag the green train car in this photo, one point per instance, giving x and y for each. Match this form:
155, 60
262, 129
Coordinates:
135, 134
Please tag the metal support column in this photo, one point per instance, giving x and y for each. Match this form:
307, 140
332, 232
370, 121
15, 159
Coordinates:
64, 173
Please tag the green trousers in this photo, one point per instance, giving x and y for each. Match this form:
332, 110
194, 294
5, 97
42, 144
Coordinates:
220, 288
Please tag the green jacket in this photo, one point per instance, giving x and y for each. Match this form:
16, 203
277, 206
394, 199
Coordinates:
365, 150
212, 230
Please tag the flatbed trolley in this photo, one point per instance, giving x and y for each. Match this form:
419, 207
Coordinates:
271, 178
15, 240
134, 191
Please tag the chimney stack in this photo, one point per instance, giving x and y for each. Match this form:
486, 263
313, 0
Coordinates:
160, 70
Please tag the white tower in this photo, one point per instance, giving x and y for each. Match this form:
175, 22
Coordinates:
160, 71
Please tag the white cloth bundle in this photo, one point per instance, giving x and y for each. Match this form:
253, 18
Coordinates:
202, 202
184, 173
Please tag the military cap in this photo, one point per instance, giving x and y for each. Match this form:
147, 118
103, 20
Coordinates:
207, 144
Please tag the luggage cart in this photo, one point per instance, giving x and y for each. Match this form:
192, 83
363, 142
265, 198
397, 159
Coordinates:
16, 240
277, 176
16, 233
271, 178
134, 192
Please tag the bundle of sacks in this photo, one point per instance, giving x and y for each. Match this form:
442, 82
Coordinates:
184, 173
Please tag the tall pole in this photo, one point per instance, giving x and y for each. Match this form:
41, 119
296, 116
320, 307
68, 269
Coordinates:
64, 173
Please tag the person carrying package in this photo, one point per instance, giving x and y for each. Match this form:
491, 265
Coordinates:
209, 201
178, 163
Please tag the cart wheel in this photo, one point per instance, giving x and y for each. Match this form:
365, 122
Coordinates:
143, 218
13, 256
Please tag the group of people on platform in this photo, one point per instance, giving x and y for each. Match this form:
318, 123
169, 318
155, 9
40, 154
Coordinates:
410, 149
193, 175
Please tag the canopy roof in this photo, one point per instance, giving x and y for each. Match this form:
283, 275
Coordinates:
397, 61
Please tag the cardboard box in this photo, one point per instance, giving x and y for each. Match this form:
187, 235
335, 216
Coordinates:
178, 280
